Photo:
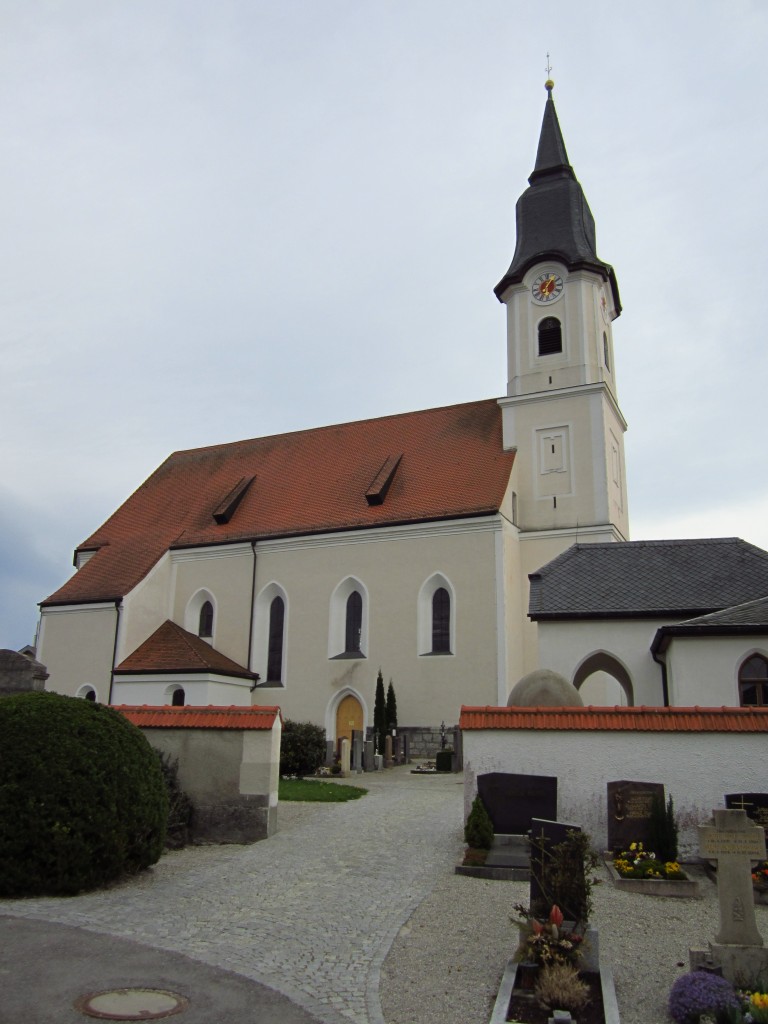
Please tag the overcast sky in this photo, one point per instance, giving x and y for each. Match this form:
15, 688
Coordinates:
220, 220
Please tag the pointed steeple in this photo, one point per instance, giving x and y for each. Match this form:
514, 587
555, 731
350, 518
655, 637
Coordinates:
554, 221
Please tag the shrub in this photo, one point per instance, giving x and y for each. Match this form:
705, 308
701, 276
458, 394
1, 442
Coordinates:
662, 838
302, 748
478, 831
565, 876
179, 804
379, 715
560, 988
82, 799
698, 993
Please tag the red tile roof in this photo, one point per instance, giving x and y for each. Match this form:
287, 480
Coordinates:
172, 649
211, 717
311, 481
637, 719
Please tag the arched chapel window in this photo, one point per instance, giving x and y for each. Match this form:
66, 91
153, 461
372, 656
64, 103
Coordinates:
441, 621
354, 623
205, 629
178, 698
753, 682
550, 336
606, 352
275, 640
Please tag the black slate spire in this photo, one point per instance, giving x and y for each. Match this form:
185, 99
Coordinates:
554, 220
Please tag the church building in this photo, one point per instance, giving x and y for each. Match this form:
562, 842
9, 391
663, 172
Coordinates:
288, 570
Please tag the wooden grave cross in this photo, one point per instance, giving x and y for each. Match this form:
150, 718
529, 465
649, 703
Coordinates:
734, 841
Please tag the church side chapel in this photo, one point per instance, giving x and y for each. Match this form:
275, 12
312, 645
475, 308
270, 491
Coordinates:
455, 549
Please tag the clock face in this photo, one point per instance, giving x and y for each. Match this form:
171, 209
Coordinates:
547, 287
604, 308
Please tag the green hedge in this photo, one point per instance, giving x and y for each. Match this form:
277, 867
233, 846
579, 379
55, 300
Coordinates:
302, 748
82, 797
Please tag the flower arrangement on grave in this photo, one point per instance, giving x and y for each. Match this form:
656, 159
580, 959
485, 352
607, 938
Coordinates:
637, 862
754, 1007
760, 876
545, 942
560, 988
700, 993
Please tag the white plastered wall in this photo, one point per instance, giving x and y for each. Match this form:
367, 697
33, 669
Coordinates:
696, 768
705, 671
76, 645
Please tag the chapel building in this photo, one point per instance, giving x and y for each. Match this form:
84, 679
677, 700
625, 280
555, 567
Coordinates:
288, 570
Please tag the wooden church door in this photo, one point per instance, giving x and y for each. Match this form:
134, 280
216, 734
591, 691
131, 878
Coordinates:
349, 718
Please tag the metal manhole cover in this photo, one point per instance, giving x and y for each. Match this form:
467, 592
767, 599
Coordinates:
131, 1004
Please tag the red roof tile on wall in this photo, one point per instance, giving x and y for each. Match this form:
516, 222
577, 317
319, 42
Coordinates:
638, 719
311, 481
211, 717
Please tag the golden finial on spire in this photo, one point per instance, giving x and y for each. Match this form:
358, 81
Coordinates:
549, 85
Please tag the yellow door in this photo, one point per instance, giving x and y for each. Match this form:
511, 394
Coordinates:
349, 716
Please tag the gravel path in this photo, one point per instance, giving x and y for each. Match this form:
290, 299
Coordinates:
446, 962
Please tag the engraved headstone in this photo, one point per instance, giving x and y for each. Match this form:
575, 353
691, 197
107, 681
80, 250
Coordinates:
734, 841
629, 812
345, 756
512, 801
388, 751
357, 750
545, 835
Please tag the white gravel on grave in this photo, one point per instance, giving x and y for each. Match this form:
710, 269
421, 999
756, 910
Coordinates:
446, 963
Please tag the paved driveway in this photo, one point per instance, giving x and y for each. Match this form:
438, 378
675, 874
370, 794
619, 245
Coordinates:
310, 912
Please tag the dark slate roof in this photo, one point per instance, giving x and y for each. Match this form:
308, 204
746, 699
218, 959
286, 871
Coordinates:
748, 619
649, 579
554, 220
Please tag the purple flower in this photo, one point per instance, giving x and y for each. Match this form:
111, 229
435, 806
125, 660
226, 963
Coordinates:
700, 992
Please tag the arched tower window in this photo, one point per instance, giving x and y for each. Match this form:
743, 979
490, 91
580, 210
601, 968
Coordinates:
354, 623
275, 640
441, 621
606, 352
205, 627
178, 698
753, 682
550, 336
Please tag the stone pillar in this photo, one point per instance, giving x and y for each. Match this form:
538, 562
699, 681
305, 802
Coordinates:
345, 757
388, 751
368, 764
330, 753
406, 748
357, 751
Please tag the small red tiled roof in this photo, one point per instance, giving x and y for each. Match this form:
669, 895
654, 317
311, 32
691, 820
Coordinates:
172, 649
312, 481
200, 717
637, 719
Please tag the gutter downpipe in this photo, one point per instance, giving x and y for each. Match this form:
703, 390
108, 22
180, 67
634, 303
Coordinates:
253, 605
118, 609
655, 654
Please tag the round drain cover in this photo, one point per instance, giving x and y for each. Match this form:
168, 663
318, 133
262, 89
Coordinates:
131, 1004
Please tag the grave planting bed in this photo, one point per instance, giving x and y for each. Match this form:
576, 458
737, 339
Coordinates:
679, 887
515, 1004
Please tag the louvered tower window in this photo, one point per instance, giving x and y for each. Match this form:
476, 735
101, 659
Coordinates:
550, 336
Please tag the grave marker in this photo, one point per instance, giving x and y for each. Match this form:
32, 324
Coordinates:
734, 841
629, 813
755, 804
512, 801
544, 836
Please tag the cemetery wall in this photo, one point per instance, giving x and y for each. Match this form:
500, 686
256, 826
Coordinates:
230, 774
696, 768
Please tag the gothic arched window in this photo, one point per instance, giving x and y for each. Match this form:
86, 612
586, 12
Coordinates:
441, 621
550, 336
753, 681
275, 641
205, 628
354, 623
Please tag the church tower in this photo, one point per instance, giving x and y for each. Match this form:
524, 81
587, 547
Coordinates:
561, 412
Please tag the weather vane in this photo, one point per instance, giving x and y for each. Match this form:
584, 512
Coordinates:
549, 68
549, 84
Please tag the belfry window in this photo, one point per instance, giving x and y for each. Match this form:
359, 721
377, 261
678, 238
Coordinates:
606, 351
753, 682
550, 336
205, 628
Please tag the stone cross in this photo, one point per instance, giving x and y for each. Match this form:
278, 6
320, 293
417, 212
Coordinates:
734, 841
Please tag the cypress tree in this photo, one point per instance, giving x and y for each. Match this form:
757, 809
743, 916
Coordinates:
391, 707
379, 715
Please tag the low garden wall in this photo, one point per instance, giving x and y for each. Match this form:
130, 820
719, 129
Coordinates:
228, 765
699, 754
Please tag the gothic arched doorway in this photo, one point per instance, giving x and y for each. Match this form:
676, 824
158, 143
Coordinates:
602, 680
349, 719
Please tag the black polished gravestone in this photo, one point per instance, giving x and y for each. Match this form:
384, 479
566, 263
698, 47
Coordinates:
755, 804
544, 836
512, 801
629, 813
